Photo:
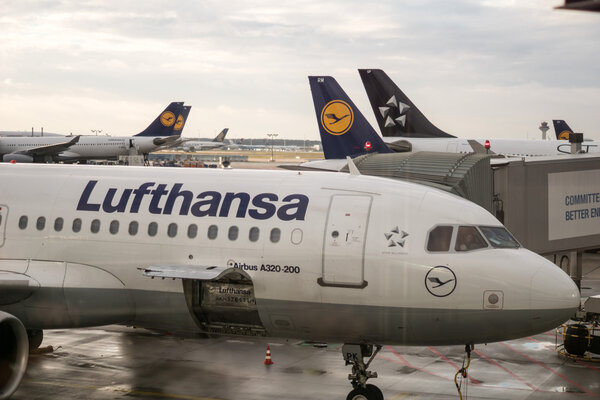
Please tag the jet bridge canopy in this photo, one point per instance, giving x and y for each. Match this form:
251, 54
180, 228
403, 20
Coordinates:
466, 175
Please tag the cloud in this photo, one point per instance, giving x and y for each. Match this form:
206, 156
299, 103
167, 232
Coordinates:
244, 64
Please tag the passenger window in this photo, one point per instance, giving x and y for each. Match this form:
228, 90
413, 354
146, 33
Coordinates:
469, 238
192, 231
152, 229
41, 223
172, 230
254, 234
114, 227
296, 236
275, 235
499, 237
439, 238
133, 228
23, 222
233, 233
213, 230
95, 227
58, 224
76, 225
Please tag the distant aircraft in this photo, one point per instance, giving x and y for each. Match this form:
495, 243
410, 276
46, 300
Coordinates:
562, 129
165, 130
318, 256
344, 130
404, 126
217, 143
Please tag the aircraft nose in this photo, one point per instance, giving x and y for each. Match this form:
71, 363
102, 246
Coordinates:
554, 295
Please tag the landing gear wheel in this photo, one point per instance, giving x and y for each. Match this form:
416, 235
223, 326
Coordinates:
361, 394
375, 391
35, 337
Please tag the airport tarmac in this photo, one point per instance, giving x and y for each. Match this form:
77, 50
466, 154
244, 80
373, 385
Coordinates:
117, 363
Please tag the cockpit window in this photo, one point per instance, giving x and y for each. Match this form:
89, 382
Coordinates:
468, 238
439, 238
499, 237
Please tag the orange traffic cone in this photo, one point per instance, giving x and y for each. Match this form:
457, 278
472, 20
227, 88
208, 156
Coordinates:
268, 360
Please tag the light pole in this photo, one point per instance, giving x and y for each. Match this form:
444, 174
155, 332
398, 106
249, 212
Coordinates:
272, 136
96, 131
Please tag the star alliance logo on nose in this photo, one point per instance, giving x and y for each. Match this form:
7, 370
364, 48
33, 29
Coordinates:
394, 113
440, 281
396, 237
167, 118
337, 117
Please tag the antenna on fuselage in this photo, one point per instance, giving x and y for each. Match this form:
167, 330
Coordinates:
352, 167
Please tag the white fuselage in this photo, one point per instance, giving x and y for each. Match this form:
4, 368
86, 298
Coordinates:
507, 147
87, 148
322, 256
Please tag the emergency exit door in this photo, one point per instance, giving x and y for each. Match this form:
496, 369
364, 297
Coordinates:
344, 241
3, 215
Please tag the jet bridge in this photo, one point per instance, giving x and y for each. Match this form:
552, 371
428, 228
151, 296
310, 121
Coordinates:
466, 175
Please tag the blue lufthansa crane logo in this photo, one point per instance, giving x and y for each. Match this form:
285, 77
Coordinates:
440, 281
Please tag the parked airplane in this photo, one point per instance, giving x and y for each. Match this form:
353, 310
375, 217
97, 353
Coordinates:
165, 130
317, 256
217, 143
562, 129
403, 125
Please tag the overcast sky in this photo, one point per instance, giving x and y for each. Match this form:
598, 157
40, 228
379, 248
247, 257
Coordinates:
475, 68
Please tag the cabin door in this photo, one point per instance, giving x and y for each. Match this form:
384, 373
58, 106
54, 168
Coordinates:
344, 241
3, 215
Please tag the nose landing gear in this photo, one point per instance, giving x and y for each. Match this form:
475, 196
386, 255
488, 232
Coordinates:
354, 354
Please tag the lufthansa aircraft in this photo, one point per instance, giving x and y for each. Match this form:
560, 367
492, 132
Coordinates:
402, 123
164, 131
317, 256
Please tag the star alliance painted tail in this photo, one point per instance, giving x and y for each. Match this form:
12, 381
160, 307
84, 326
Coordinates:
344, 130
562, 129
166, 122
395, 113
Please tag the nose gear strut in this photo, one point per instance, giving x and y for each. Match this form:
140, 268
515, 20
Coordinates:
354, 354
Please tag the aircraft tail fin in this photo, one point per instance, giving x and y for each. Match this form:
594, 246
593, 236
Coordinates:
396, 115
344, 130
165, 123
221, 136
181, 120
562, 129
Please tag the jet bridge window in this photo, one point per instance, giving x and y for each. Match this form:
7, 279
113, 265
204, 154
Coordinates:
152, 229
76, 225
95, 226
23, 222
133, 228
439, 238
40, 223
468, 238
114, 227
172, 230
192, 231
499, 237
58, 224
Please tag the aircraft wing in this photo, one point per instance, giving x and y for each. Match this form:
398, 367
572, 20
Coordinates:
199, 272
50, 149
